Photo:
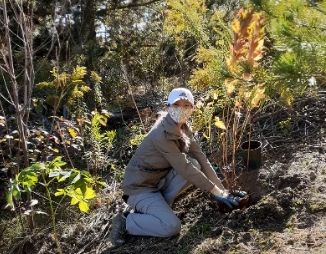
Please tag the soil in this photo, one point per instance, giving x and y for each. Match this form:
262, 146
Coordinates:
287, 212
287, 215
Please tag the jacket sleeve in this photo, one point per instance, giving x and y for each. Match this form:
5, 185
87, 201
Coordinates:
196, 152
178, 160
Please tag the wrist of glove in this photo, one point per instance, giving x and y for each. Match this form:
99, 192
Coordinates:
216, 191
227, 199
230, 200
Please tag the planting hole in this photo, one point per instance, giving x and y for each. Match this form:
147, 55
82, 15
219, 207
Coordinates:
252, 145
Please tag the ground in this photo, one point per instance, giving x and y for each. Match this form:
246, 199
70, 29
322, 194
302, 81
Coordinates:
289, 217
287, 214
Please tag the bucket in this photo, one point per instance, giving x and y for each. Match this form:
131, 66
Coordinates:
251, 152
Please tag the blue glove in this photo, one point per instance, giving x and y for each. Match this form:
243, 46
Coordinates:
229, 200
239, 193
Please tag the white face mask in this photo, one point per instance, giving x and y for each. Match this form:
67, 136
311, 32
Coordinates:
179, 114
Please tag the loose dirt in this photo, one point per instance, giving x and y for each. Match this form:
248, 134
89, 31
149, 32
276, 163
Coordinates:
287, 215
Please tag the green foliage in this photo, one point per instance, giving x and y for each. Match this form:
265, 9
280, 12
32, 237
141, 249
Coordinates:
78, 185
211, 74
235, 88
136, 39
187, 17
98, 96
81, 189
97, 121
297, 30
286, 125
240, 89
295, 50
137, 136
192, 21
64, 88
100, 142
202, 118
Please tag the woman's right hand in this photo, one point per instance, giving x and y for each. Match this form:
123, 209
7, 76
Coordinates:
225, 198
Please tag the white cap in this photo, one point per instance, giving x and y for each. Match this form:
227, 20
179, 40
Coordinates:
180, 93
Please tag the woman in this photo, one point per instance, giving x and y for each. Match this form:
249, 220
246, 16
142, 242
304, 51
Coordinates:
167, 161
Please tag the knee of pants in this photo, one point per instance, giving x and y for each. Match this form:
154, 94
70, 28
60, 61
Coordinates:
194, 162
172, 228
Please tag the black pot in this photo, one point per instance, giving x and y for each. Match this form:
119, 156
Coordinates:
251, 152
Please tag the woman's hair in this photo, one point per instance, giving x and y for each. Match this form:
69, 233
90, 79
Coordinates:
186, 141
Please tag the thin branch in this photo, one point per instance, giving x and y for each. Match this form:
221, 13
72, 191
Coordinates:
134, 5
7, 130
125, 75
11, 103
11, 70
9, 67
6, 87
64, 144
11, 32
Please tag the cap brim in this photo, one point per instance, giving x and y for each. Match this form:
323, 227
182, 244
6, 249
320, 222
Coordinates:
182, 98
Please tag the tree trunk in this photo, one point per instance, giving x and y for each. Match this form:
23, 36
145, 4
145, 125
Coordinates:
88, 31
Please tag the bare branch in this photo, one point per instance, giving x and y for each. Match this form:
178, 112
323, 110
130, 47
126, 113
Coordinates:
11, 32
125, 75
126, 6
136, 5
19, 94
7, 89
3, 97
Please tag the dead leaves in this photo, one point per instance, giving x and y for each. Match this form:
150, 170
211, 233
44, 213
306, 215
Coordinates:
246, 50
248, 39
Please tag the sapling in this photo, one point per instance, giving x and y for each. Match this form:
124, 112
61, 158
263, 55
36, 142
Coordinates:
57, 181
243, 93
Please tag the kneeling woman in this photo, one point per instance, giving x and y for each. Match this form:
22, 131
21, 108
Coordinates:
167, 161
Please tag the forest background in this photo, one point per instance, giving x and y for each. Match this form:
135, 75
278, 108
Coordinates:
81, 83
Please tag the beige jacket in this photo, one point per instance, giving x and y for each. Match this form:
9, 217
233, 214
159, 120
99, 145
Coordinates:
163, 149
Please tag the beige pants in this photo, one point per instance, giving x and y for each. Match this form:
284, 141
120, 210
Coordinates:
154, 216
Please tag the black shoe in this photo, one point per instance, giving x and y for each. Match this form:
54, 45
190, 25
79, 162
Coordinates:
118, 229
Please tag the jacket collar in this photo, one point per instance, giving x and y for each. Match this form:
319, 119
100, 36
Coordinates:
171, 127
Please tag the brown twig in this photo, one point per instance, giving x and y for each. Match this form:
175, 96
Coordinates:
64, 144
125, 75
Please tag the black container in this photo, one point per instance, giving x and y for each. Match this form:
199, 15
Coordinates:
251, 152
